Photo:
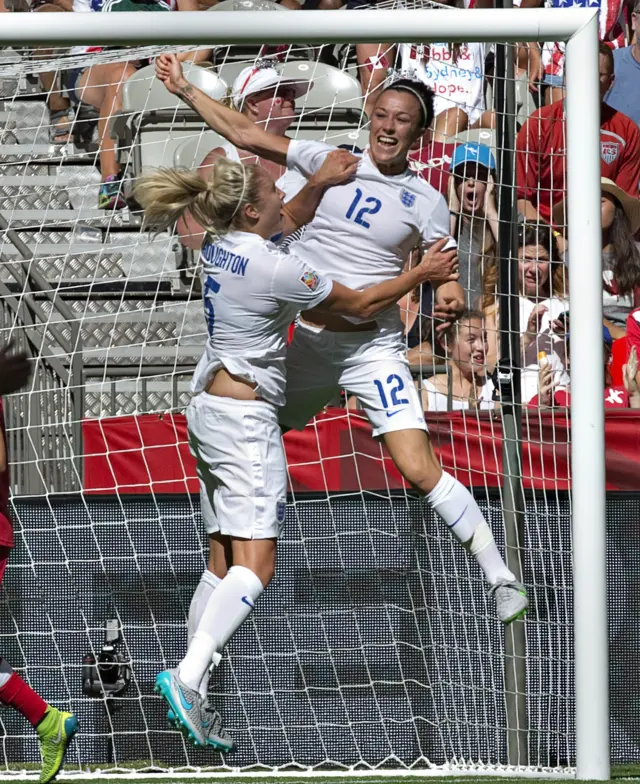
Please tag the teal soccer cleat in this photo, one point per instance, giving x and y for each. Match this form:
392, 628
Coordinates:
185, 705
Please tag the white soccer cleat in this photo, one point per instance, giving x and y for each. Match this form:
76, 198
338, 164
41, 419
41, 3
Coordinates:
511, 600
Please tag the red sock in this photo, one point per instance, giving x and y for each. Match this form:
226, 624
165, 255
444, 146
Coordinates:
23, 698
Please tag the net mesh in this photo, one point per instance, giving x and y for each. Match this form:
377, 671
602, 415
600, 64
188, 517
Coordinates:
377, 646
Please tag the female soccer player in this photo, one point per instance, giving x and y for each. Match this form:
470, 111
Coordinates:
252, 292
362, 233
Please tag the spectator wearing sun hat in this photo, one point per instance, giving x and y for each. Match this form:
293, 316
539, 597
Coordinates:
620, 253
474, 215
265, 96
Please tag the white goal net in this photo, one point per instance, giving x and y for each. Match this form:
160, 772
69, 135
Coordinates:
376, 648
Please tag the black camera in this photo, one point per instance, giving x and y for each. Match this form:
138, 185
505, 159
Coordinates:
108, 674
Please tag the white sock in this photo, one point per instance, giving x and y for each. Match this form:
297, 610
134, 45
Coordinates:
457, 507
207, 585
228, 606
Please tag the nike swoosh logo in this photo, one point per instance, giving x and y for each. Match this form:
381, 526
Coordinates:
247, 601
393, 413
453, 525
186, 705
59, 738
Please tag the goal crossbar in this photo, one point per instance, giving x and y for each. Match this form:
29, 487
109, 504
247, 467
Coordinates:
578, 27
402, 26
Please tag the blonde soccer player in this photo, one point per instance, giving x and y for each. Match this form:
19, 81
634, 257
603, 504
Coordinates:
362, 233
252, 291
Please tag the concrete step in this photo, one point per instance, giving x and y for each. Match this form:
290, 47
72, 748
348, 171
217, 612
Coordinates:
143, 355
41, 219
123, 257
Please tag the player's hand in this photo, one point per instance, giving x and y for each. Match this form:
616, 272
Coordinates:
15, 370
545, 385
438, 265
169, 71
446, 312
338, 167
630, 375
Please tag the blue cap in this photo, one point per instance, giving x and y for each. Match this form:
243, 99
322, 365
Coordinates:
472, 152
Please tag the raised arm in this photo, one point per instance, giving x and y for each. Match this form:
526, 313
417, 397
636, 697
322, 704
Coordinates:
436, 264
235, 127
338, 167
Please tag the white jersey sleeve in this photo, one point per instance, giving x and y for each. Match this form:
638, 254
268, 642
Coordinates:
307, 157
296, 282
434, 224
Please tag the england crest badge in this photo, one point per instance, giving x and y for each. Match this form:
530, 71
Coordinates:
407, 198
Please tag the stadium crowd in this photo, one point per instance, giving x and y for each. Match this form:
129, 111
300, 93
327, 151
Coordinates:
461, 77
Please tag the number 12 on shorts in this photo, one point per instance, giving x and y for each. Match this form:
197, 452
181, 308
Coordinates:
394, 386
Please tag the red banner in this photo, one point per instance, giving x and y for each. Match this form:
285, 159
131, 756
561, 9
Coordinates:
337, 453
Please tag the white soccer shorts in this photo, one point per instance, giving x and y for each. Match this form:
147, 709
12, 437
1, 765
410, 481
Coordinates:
241, 465
321, 363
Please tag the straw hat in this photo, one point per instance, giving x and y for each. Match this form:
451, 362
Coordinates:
629, 204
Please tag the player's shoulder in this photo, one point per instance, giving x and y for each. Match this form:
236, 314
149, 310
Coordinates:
250, 247
309, 147
417, 190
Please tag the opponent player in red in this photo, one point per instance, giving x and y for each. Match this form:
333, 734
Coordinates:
55, 728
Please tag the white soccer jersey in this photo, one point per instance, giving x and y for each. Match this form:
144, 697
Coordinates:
291, 182
252, 293
363, 230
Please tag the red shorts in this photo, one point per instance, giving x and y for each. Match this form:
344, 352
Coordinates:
5, 552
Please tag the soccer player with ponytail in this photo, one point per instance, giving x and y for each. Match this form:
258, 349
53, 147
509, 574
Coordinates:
252, 292
362, 234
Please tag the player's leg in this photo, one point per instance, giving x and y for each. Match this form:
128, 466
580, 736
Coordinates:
55, 728
218, 565
241, 465
391, 402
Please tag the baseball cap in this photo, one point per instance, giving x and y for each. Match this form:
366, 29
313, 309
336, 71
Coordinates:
256, 78
472, 152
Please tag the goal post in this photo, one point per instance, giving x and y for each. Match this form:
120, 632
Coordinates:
579, 28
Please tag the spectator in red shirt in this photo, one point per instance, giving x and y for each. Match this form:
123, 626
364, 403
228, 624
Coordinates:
633, 331
541, 151
55, 728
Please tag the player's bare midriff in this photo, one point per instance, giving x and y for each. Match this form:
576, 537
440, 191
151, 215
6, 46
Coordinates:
225, 384
318, 318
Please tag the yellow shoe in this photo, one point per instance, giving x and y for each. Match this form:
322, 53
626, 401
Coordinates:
56, 731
